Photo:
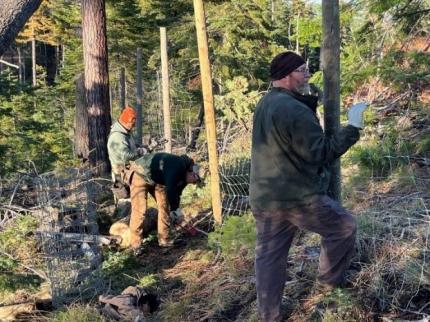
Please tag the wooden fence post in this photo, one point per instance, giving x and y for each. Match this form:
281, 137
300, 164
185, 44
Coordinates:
206, 76
166, 89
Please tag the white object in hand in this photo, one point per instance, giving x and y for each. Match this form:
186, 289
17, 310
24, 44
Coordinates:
355, 115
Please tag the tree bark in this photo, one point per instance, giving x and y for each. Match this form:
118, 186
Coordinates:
21, 76
195, 132
330, 64
122, 92
96, 82
33, 61
51, 63
80, 143
139, 96
13, 16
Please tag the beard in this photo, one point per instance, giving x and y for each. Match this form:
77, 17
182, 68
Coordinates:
304, 89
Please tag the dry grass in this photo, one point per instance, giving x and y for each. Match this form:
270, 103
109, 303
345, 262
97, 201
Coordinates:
210, 290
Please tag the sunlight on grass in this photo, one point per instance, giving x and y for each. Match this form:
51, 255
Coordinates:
79, 313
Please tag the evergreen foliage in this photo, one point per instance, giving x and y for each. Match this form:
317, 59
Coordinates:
234, 236
243, 37
32, 129
37, 122
40, 26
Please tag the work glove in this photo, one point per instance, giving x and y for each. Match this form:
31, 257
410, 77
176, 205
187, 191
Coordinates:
142, 151
355, 115
153, 145
177, 216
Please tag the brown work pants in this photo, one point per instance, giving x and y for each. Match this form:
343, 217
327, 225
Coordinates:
275, 232
139, 189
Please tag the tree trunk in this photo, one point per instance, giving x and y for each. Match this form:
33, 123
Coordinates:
272, 11
96, 82
195, 132
139, 96
330, 64
13, 16
33, 61
80, 143
122, 100
297, 33
51, 63
21, 76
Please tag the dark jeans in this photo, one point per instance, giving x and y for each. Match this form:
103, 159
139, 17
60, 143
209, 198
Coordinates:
275, 232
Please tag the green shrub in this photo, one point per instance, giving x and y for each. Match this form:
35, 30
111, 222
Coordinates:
118, 267
11, 282
423, 146
150, 281
18, 241
236, 233
382, 156
78, 313
403, 68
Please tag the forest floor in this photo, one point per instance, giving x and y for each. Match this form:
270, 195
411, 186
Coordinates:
385, 183
196, 281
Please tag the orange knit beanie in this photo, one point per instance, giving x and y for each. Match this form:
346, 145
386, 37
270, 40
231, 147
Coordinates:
127, 114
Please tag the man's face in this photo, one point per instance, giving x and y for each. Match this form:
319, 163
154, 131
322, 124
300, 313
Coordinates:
130, 125
297, 80
192, 177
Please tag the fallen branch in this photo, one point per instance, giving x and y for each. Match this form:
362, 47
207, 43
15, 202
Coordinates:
80, 238
11, 312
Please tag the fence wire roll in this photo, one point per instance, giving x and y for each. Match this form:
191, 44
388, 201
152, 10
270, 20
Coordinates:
68, 234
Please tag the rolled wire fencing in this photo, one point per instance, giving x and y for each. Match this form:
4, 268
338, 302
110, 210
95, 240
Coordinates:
68, 232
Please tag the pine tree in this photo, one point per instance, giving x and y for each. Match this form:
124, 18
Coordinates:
13, 16
96, 82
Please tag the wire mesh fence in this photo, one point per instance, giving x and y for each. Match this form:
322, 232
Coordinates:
68, 233
66, 248
392, 202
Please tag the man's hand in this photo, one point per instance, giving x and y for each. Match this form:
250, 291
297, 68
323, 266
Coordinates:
142, 151
355, 115
177, 216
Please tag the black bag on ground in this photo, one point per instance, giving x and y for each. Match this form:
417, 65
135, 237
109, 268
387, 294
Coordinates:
131, 305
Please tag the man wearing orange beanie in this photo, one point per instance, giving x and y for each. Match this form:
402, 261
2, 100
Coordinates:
121, 146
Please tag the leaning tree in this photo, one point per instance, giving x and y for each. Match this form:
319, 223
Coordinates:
13, 16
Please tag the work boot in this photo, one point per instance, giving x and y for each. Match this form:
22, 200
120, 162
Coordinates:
137, 252
171, 243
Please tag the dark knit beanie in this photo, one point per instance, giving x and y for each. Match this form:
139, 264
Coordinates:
284, 63
188, 162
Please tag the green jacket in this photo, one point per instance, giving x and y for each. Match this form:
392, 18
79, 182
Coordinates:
290, 152
121, 146
165, 169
